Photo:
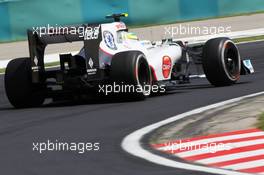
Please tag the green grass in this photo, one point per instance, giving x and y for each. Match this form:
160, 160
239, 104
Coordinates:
2, 70
248, 39
260, 124
52, 64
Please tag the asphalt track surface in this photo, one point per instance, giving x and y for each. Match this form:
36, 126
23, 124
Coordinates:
107, 122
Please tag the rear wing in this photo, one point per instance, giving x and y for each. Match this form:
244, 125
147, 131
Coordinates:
39, 39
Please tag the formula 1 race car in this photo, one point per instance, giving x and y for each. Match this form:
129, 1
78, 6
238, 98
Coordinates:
111, 55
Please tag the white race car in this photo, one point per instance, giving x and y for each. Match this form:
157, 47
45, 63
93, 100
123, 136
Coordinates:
113, 56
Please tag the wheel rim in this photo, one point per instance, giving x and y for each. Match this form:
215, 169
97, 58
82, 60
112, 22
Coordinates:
231, 60
143, 76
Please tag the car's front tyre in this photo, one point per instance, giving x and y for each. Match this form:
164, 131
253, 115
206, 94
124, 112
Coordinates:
221, 62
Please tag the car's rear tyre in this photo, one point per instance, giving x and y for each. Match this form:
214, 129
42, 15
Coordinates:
20, 90
132, 69
221, 62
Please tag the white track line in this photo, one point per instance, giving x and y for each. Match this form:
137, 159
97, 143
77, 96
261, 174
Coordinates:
246, 165
132, 142
233, 156
217, 148
215, 139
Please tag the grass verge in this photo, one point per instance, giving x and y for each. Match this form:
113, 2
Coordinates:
2, 70
248, 39
260, 124
52, 64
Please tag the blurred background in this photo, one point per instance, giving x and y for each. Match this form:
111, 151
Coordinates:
18, 15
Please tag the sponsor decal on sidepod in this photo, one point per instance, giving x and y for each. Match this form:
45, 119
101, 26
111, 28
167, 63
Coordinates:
109, 40
166, 66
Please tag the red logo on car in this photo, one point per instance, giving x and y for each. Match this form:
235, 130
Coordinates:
120, 26
166, 66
